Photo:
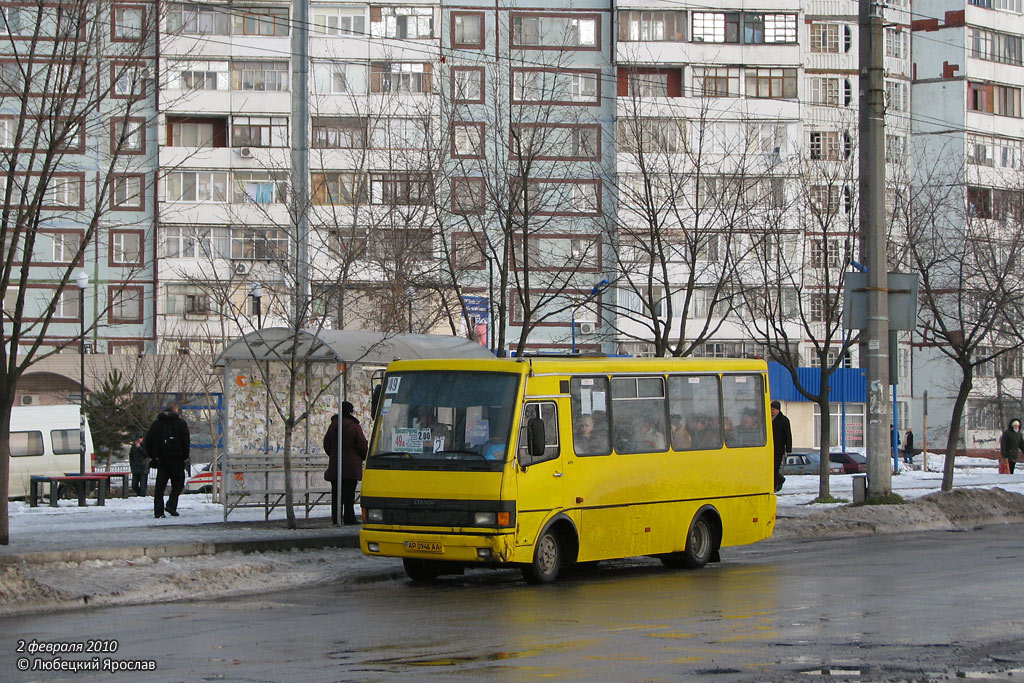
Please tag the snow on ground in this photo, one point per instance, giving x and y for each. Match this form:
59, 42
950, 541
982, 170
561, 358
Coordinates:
980, 496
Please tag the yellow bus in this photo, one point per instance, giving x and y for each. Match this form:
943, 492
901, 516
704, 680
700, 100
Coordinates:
546, 462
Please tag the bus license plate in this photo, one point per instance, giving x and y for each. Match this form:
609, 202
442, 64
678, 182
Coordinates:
424, 546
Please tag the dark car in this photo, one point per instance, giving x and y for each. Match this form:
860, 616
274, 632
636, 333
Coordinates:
806, 462
853, 463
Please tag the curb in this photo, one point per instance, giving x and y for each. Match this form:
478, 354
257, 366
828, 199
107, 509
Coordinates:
180, 550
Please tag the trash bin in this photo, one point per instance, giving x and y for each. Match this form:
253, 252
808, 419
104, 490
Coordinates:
860, 488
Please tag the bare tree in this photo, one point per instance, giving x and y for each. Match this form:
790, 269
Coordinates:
72, 72
965, 243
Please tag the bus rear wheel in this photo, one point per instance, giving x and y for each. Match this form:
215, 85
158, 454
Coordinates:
547, 560
420, 570
700, 544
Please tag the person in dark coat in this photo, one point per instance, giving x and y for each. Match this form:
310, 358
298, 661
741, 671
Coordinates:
1010, 443
353, 453
782, 437
167, 443
908, 447
138, 460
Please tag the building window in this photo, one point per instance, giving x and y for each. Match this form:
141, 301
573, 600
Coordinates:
467, 140
550, 142
979, 202
830, 145
400, 189
64, 191
197, 186
127, 23
771, 83
188, 300
332, 78
468, 195
563, 197
469, 251
339, 188
259, 21
831, 38
125, 304
894, 43
126, 247
128, 136
399, 133
339, 21
826, 252
830, 91
716, 27
995, 46
415, 244
555, 87
653, 136
199, 75
637, 25
830, 199
407, 23
339, 133
716, 81
198, 20
563, 32
129, 81
259, 244
897, 96
66, 247
127, 193
467, 85
394, 77
196, 132
985, 150
195, 242
992, 98
259, 131
260, 76
69, 304
895, 149
468, 30
258, 187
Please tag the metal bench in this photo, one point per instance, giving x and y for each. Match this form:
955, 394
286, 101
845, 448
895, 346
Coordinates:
101, 491
125, 479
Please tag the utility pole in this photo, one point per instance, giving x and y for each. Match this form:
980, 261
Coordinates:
875, 345
299, 181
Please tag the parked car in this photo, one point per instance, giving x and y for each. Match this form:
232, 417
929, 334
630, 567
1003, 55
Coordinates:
853, 463
806, 462
202, 480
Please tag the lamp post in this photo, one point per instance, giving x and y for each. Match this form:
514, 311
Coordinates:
594, 291
82, 280
257, 295
409, 294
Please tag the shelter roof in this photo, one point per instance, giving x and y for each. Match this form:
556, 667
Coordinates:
346, 346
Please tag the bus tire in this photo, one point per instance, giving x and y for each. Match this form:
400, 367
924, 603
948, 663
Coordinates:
700, 545
419, 570
547, 559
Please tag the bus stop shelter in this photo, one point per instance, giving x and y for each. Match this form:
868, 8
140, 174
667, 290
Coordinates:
271, 373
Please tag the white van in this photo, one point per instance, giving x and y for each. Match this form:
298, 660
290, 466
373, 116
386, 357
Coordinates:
45, 440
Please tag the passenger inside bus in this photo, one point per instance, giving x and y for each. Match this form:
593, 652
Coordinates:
440, 434
649, 439
681, 439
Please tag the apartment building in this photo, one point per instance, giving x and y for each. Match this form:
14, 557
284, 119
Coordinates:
533, 161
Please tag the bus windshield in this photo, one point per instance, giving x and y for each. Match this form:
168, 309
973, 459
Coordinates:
444, 420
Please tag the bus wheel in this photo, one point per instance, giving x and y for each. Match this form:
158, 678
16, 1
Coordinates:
547, 560
700, 543
419, 570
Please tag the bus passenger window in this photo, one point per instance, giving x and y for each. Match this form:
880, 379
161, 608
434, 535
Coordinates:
548, 412
590, 428
743, 401
638, 413
693, 403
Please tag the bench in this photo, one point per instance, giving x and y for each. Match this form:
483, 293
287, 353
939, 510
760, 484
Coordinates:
108, 475
35, 480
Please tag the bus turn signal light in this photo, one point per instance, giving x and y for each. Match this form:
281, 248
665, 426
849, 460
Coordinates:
504, 519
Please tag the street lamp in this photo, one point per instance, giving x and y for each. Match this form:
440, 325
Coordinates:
257, 295
409, 294
594, 291
82, 280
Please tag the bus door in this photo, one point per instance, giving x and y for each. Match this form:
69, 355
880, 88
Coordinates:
543, 480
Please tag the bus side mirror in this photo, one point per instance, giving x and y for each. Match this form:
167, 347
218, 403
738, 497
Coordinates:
535, 437
375, 401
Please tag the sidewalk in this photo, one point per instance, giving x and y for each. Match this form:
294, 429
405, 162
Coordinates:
125, 529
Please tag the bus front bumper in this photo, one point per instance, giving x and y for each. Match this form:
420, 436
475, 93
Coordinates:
442, 546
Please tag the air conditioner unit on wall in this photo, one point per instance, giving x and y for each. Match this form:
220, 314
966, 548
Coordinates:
29, 400
242, 268
246, 152
587, 328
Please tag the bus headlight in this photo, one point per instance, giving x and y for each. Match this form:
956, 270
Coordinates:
374, 515
485, 519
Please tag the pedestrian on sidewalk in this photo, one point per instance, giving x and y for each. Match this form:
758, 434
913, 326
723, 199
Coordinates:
353, 453
1010, 444
782, 438
138, 460
908, 447
167, 443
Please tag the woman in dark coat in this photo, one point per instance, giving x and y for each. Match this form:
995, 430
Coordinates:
353, 453
1010, 443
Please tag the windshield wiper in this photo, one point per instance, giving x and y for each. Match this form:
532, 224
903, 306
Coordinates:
394, 454
460, 452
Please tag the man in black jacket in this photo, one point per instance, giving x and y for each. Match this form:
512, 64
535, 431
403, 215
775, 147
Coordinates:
167, 442
782, 436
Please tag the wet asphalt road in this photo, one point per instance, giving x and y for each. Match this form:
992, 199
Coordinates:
904, 607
